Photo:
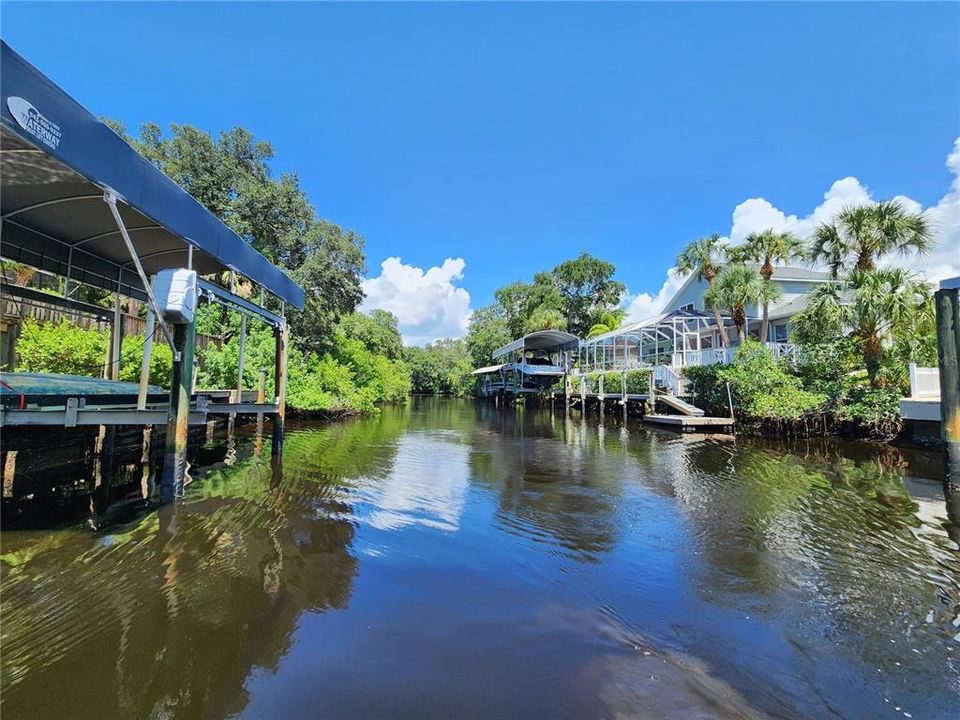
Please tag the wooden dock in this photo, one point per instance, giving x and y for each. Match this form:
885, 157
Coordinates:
690, 423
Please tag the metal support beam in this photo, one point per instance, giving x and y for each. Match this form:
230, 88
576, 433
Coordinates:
116, 339
145, 361
111, 200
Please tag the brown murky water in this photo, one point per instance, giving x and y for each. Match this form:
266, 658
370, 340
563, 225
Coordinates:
452, 560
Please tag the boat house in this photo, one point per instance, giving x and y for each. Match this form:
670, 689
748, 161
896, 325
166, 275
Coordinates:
81, 205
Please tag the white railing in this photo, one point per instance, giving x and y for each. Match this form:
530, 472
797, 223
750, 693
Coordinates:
685, 358
924, 382
711, 356
667, 376
783, 349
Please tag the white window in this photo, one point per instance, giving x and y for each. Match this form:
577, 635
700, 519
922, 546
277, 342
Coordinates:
780, 333
688, 306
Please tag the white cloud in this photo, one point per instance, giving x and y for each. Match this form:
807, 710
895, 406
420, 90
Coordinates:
645, 306
428, 304
945, 217
757, 214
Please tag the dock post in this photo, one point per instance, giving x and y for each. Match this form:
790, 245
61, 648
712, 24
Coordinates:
652, 393
583, 394
623, 392
600, 394
948, 349
178, 420
145, 361
282, 336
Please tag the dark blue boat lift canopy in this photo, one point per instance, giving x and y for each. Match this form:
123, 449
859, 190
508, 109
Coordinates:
58, 161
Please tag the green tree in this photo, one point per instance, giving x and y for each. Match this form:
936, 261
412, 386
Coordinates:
544, 318
705, 258
891, 316
488, 331
887, 304
824, 317
378, 331
858, 237
767, 249
587, 288
736, 288
441, 368
521, 301
231, 177
608, 321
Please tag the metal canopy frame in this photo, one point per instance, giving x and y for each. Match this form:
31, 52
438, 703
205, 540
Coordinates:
677, 331
58, 161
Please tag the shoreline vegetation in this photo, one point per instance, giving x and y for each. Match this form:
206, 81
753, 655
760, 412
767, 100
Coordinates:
857, 334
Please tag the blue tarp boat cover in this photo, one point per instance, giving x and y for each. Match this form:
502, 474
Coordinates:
57, 161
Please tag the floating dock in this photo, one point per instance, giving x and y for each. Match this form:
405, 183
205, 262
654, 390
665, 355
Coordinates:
690, 423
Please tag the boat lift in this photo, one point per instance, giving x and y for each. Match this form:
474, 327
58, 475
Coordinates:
78, 202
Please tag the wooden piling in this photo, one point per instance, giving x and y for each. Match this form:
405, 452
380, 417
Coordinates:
600, 394
948, 350
178, 422
281, 335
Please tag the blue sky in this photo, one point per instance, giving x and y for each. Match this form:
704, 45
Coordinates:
510, 137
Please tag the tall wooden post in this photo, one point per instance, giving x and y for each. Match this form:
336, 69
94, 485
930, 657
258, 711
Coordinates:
623, 391
948, 350
178, 421
282, 336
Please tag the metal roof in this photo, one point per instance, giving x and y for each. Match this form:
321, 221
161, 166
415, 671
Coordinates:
540, 340
57, 160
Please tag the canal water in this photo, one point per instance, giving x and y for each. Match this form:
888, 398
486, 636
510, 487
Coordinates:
453, 560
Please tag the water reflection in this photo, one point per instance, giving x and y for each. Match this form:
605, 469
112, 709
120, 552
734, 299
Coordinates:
168, 615
454, 559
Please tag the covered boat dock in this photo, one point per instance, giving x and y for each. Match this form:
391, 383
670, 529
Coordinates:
530, 364
79, 203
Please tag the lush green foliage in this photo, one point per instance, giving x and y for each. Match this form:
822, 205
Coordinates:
378, 331
338, 358
825, 390
231, 177
488, 331
69, 349
890, 316
349, 375
735, 289
574, 296
441, 368
858, 237
761, 387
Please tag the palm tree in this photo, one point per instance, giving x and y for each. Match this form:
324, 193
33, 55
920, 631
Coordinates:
859, 236
705, 258
608, 321
737, 288
886, 304
825, 316
767, 249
